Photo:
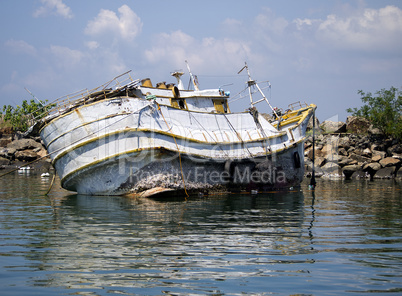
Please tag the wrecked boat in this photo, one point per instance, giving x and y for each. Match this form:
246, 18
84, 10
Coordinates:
128, 136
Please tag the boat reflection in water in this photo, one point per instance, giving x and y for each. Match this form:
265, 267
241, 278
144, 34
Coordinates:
342, 238
157, 245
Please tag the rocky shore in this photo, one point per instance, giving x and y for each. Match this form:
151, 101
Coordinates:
353, 150
17, 151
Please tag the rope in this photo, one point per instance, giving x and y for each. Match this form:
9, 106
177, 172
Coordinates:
216, 143
178, 150
24, 165
254, 113
238, 135
51, 185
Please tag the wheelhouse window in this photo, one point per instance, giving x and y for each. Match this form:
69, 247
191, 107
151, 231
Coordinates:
178, 103
221, 105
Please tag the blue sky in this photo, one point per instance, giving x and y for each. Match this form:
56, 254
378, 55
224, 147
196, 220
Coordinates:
316, 51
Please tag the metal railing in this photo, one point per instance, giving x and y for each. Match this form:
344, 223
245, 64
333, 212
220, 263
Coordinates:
297, 105
78, 98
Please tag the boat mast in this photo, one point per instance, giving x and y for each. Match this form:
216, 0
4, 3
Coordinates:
192, 77
252, 82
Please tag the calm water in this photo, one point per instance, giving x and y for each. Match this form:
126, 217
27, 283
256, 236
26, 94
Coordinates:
344, 238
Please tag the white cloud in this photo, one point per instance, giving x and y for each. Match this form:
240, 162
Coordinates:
207, 53
127, 25
54, 7
175, 47
269, 30
66, 57
268, 21
232, 22
371, 29
92, 45
21, 46
303, 24
300, 45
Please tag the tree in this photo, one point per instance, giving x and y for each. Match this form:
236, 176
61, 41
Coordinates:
384, 110
21, 117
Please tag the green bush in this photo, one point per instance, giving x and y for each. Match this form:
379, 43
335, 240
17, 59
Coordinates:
21, 117
384, 110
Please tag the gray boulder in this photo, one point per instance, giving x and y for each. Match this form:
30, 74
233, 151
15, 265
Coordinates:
386, 173
342, 151
333, 126
349, 170
374, 131
376, 158
357, 125
24, 144
7, 152
379, 153
346, 161
4, 141
26, 155
359, 158
344, 142
4, 161
374, 166
372, 169
389, 162
320, 161
331, 167
367, 153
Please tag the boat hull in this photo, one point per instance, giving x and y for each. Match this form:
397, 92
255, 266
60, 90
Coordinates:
166, 169
130, 145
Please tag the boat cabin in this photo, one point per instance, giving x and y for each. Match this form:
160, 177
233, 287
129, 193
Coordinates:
210, 101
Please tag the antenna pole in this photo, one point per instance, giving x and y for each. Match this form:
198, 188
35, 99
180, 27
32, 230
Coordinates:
251, 82
312, 180
34, 96
192, 77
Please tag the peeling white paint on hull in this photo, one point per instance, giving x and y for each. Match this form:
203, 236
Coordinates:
123, 176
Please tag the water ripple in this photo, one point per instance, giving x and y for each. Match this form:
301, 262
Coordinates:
328, 242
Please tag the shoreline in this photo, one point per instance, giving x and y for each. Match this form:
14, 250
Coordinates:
351, 150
